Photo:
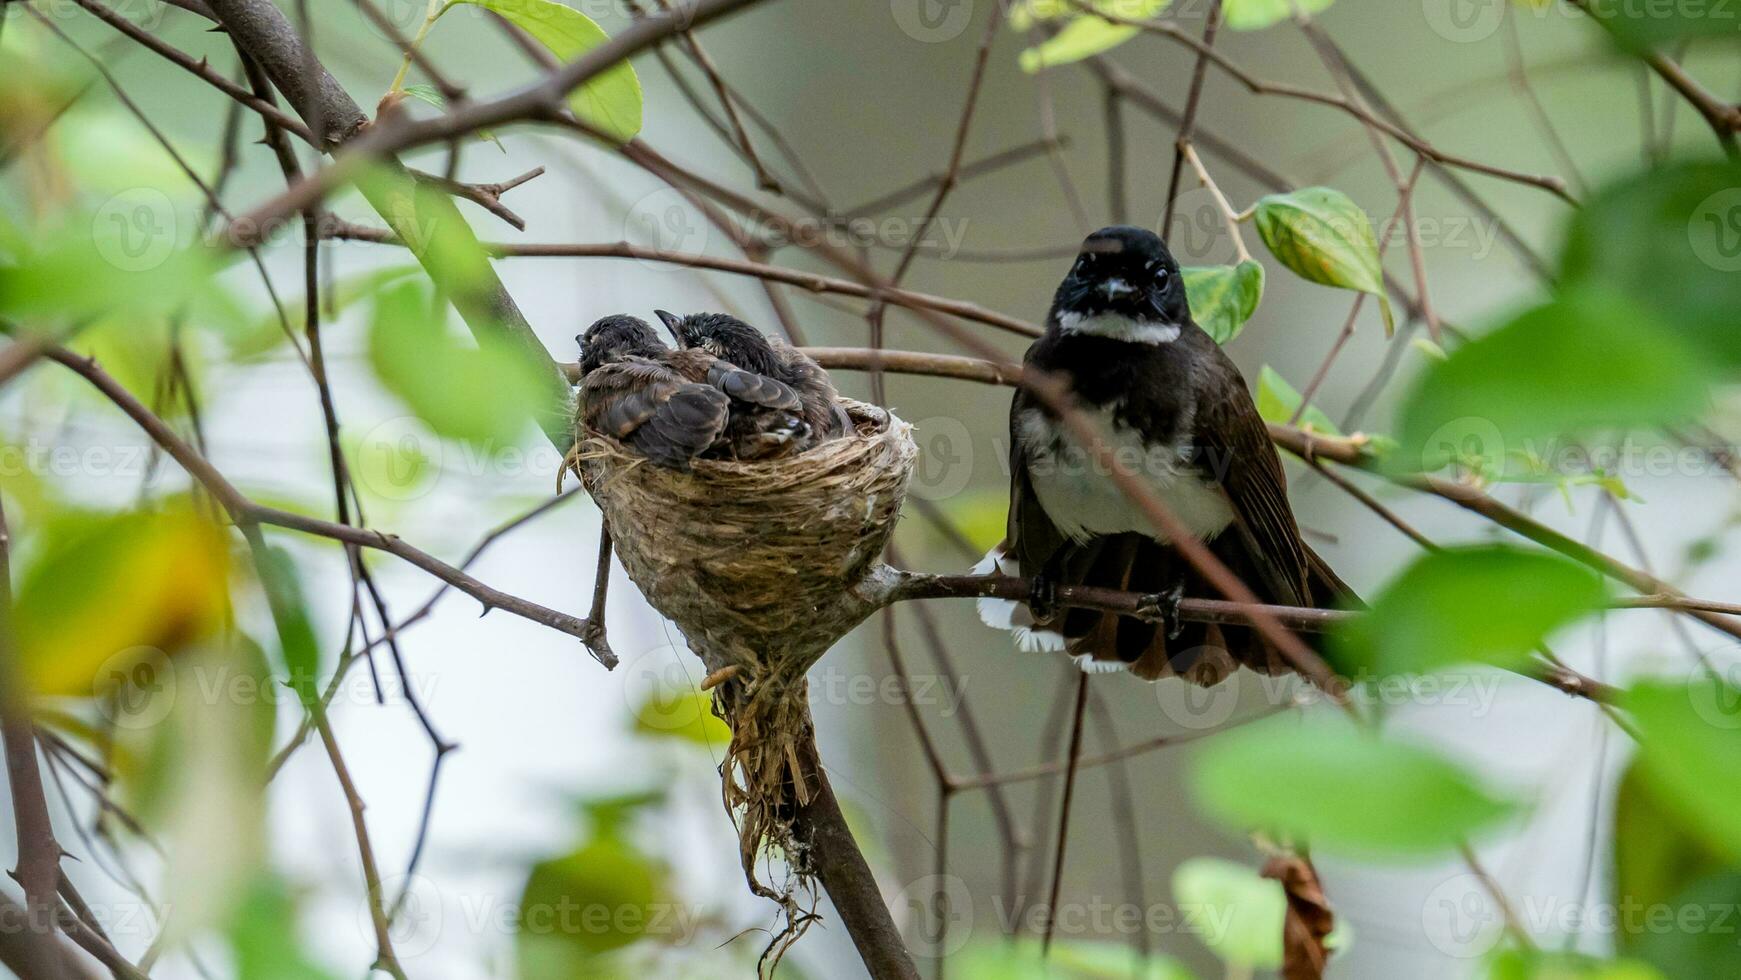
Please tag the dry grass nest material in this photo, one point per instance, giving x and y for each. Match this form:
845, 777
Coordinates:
749, 558
754, 562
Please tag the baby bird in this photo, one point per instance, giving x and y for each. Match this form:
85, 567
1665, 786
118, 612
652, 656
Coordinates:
733, 340
763, 421
629, 391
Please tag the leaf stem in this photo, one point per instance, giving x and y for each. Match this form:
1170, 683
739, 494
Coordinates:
430, 15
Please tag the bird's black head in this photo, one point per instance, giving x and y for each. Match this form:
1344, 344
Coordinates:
725, 337
614, 338
1124, 279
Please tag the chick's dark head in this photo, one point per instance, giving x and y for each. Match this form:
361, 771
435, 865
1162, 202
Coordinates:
616, 337
725, 337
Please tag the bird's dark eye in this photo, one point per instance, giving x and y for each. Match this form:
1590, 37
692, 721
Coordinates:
1161, 276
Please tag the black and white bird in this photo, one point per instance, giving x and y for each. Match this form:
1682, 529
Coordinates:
1174, 411
731, 339
673, 406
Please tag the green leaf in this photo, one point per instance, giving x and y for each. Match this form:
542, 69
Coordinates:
297, 644
1223, 297
1324, 237
1669, 240
109, 598
1343, 789
1656, 856
1246, 910
263, 935
267, 331
1519, 964
1277, 401
1586, 361
1699, 938
1689, 740
1440, 610
600, 897
1639, 27
1085, 35
1252, 15
429, 94
611, 101
686, 714
483, 395
128, 256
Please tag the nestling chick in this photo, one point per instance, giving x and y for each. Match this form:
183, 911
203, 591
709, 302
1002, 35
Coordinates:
733, 340
629, 390
763, 422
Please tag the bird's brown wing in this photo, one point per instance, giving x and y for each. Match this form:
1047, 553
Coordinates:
1234, 451
654, 410
820, 400
748, 386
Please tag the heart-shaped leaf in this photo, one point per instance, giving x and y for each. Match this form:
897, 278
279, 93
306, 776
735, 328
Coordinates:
1223, 297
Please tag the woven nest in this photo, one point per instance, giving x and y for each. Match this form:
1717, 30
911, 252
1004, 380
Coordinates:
755, 563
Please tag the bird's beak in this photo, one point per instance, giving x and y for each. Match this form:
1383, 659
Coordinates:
1114, 288
671, 320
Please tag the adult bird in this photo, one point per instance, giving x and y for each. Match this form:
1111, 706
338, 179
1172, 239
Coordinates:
733, 340
1173, 410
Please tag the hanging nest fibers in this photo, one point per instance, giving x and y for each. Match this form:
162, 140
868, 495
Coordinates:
758, 563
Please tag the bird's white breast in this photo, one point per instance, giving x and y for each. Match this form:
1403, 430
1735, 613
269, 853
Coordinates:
1080, 496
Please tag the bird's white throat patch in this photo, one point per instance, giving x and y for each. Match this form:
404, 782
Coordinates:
1119, 327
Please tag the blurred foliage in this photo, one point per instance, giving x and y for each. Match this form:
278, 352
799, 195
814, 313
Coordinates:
686, 714
605, 894
1242, 911
1439, 611
108, 593
483, 395
1342, 788
1582, 363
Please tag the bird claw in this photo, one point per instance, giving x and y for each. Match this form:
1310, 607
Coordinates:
1043, 597
1165, 607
